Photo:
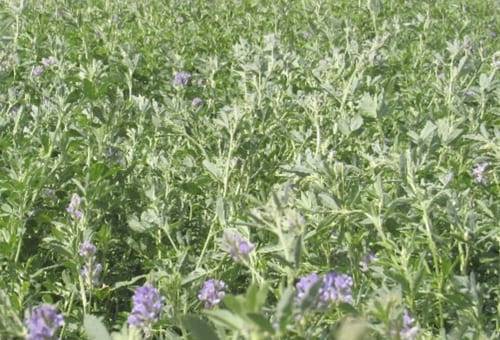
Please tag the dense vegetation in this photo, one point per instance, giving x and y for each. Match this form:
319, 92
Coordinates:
304, 169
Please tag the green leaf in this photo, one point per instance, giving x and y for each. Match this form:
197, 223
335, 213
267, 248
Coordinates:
284, 308
213, 169
227, 319
235, 304
344, 126
347, 308
95, 329
328, 201
356, 122
199, 328
297, 253
484, 82
195, 274
121, 284
219, 210
124, 334
427, 132
136, 225
374, 6
368, 105
256, 297
262, 323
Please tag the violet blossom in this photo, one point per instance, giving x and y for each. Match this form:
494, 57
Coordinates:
73, 207
335, 287
182, 78
478, 172
43, 323
197, 102
409, 330
212, 293
147, 306
237, 246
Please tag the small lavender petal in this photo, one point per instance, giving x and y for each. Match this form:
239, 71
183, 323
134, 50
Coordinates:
238, 247
73, 207
48, 61
245, 247
304, 285
91, 277
147, 306
43, 323
328, 292
37, 71
182, 78
343, 284
409, 331
212, 293
366, 261
335, 288
478, 172
197, 102
87, 249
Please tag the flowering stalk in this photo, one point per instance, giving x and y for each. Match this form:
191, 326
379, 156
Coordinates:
212, 293
182, 78
237, 246
409, 331
43, 323
73, 207
334, 287
479, 172
90, 271
146, 310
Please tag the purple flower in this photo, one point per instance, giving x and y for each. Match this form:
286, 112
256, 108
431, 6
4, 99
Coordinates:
37, 71
91, 270
74, 207
366, 261
48, 61
182, 78
87, 249
409, 331
147, 306
478, 172
238, 247
91, 273
304, 285
335, 287
197, 102
212, 293
43, 323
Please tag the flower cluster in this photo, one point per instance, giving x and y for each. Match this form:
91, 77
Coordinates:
304, 285
147, 306
334, 287
91, 274
478, 172
237, 246
212, 293
91, 270
74, 207
43, 323
37, 71
197, 102
409, 331
46, 63
87, 249
182, 78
